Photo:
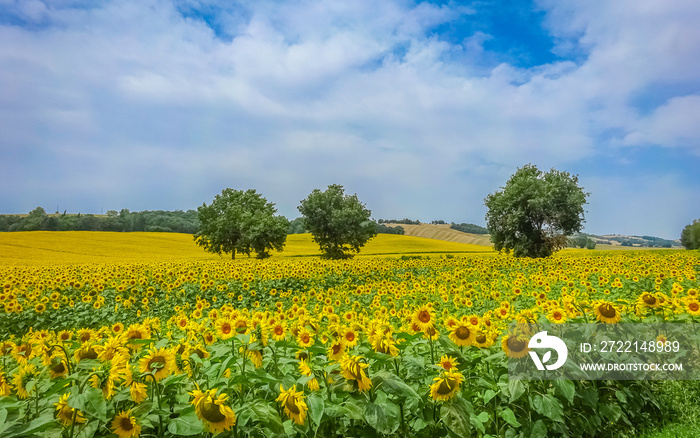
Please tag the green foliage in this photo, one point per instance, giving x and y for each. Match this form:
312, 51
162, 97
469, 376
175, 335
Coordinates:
238, 221
157, 221
690, 236
404, 221
384, 229
297, 226
339, 223
535, 212
469, 228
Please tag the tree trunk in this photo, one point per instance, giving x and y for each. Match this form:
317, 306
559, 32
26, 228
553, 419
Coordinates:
233, 254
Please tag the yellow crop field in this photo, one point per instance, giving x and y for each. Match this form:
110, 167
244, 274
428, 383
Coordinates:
38, 248
144, 334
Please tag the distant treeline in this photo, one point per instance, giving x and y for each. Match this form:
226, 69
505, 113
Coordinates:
400, 221
297, 226
125, 220
469, 228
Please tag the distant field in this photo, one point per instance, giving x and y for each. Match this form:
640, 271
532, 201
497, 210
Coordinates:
444, 232
33, 248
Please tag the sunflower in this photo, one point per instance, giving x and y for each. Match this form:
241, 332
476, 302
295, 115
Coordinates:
213, 411
86, 335
483, 339
57, 366
606, 312
124, 425
118, 328
26, 374
306, 370
137, 332
448, 362
384, 344
5, 388
293, 403
462, 334
336, 351
692, 306
304, 338
649, 300
350, 337
557, 315
353, 369
446, 385
224, 328
64, 413
279, 331
160, 362
515, 346
138, 391
424, 317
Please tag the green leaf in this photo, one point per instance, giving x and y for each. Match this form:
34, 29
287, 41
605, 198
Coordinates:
186, 425
508, 415
516, 388
538, 430
612, 411
392, 384
266, 415
565, 388
548, 406
39, 424
479, 420
88, 430
489, 395
316, 406
456, 418
378, 419
91, 403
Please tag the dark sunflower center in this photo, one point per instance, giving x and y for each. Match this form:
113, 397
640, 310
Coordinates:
279, 330
607, 310
58, 369
337, 348
649, 299
199, 353
156, 363
211, 411
481, 338
424, 316
446, 386
134, 335
515, 344
90, 354
305, 338
462, 332
125, 424
694, 306
350, 336
291, 405
226, 328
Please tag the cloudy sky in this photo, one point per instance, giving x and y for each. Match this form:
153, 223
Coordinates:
421, 108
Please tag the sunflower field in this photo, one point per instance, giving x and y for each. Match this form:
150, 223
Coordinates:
374, 346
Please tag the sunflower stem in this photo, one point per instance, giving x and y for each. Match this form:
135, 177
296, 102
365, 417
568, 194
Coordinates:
65, 353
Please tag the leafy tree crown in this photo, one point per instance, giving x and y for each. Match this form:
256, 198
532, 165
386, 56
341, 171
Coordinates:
339, 223
535, 211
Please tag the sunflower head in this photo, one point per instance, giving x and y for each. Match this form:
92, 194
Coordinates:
64, 413
446, 385
213, 411
124, 425
293, 403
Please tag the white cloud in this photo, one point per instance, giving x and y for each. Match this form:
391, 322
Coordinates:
302, 94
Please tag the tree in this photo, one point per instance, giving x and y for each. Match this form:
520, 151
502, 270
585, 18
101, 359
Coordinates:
238, 221
535, 212
339, 223
690, 236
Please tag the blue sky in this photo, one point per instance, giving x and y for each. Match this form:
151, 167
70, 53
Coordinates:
421, 108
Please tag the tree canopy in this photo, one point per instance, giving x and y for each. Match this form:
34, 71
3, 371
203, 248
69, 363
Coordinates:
339, 223
535, 211
690, 236
238, 221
